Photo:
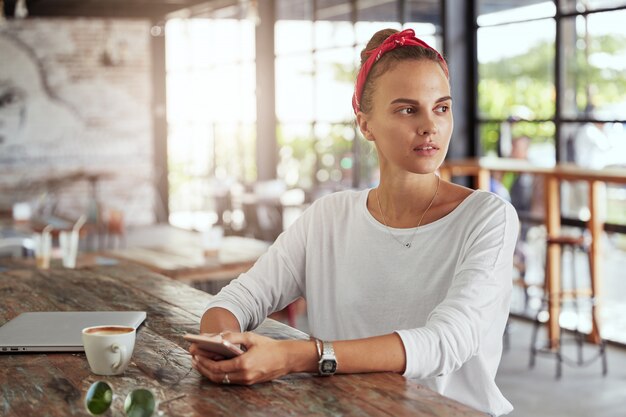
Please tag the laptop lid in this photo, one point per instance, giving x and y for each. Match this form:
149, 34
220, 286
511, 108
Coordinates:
59, 331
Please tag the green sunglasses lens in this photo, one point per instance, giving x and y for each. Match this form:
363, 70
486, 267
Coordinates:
140, 403
99, 398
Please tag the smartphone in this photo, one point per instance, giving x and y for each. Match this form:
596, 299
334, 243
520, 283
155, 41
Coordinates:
215, 344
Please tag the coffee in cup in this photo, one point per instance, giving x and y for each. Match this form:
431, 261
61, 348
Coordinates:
109, 348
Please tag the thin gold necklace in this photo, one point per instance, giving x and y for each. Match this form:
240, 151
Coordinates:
410, 242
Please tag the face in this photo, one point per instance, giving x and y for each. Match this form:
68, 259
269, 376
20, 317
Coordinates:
411, 118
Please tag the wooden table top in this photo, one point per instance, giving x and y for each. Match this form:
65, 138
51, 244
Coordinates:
187, 261
564, 171
57, 383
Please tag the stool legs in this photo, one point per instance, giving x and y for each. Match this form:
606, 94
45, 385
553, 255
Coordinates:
579, 337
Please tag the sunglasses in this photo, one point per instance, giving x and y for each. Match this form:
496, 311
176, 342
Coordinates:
139, 402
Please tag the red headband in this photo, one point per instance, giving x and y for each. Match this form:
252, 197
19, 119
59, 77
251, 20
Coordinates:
397, 40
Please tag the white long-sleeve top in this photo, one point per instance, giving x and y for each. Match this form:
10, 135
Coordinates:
447, 296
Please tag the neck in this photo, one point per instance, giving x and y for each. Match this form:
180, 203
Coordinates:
403, 201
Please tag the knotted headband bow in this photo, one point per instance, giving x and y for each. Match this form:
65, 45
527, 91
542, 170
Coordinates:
397, 40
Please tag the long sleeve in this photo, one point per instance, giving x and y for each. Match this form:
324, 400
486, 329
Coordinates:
274, 281
476, 304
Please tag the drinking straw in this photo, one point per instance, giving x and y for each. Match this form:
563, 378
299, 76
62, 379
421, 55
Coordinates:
79, 223
46, 230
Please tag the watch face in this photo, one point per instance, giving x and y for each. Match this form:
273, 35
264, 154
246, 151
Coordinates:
328, 367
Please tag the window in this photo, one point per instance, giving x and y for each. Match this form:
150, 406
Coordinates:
318, 44
516, 79
583, 122
211, 109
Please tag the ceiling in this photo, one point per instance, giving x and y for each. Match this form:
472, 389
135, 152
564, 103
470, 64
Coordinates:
152, 9
158, 9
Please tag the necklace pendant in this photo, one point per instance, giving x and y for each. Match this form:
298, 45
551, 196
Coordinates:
407, 245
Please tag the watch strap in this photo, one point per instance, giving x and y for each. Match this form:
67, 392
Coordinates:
328, 349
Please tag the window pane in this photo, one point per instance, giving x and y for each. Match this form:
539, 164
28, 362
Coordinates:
294, 10
235, 151
211, 108
297, 157
294, 88
294, 28
335, 10
240, 46
376, 11
232, 93
499, 139
594, 145
489, 134
333, 146
570, 6
516, 78
495, 12
177, 58
334, 85
425, 19
332, 34
199, 42
427, 12
365, 30
594, 66
293, 36
190, 160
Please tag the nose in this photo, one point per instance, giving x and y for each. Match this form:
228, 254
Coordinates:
426, 126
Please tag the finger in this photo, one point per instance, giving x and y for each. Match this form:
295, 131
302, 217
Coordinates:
196, 350
212, 376
220, 366
247, 339
235, 377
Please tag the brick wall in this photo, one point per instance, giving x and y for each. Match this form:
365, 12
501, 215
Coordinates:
75, 95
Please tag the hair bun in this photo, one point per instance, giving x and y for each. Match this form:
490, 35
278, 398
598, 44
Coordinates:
378, 38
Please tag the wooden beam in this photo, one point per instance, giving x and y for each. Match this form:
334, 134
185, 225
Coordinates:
159, 125
267, 147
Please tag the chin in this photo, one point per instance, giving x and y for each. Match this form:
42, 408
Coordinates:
426, 168
422, 171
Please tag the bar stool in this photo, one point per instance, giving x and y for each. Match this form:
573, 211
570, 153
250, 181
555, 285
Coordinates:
574, 295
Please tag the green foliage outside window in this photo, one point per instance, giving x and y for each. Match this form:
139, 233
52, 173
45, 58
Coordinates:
598, 86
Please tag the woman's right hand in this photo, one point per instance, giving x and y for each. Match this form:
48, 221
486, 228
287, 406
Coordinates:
265, 359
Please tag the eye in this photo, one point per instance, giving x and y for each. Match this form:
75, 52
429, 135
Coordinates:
444, 108
407, 110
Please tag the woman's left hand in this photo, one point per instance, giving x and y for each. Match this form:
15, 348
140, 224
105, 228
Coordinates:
265, 359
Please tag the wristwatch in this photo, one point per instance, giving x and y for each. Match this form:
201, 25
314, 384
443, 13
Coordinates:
327, 364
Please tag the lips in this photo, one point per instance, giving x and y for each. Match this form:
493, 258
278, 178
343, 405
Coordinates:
426, 147
426, 150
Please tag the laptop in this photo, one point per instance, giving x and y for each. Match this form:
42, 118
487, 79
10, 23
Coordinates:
59, 331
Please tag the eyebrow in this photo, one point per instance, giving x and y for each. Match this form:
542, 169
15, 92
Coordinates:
415, 102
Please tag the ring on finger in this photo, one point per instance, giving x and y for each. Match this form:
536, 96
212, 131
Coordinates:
226, 380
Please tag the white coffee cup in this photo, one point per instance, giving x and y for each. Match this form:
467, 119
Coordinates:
108, 348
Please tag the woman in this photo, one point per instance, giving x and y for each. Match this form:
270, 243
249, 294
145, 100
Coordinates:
412, 277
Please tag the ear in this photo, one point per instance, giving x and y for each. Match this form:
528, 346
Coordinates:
361, 120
